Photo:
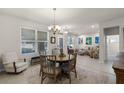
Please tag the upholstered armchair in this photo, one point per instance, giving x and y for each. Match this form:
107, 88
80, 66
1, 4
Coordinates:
91, 51
96, 53
12, 64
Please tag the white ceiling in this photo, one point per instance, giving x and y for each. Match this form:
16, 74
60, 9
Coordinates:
79, 19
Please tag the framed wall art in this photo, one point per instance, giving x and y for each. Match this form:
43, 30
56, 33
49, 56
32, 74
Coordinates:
88, 40
80, 40
97, 39
53, 40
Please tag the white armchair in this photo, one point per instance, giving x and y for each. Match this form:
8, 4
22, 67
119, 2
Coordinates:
12, 64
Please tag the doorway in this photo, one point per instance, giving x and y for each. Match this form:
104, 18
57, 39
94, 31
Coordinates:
61, 43
111, 42
112, 46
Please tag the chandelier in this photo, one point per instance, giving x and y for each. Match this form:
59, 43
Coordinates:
54, 28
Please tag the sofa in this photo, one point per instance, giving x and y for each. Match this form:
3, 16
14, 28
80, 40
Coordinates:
93, 52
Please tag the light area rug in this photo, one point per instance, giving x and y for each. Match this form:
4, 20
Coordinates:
85, 76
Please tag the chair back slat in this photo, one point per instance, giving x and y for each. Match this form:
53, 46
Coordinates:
72, 60
47, 66
72, 65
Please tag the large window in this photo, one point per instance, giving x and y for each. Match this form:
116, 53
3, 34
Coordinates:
70, 41
42, 41
28, 47
33, 41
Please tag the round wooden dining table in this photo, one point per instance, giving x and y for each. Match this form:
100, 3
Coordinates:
62, 59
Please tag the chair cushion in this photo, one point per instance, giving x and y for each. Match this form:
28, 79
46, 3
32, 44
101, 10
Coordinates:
22, 68
20, 64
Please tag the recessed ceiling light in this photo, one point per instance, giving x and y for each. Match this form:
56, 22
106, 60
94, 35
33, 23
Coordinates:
92, 26
66, 32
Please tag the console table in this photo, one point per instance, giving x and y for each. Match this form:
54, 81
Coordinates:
35, 60
118, 67
1, 67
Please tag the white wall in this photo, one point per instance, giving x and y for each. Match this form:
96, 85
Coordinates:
65, 38
115, 22
112, 46
83, 45
57, 36
10, 32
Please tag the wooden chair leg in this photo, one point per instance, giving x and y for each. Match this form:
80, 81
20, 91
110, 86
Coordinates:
40, 73
60, 76
75, 73
55, 79
42, 78
69, 78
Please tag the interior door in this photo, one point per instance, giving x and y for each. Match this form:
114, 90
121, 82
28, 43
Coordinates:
61, 42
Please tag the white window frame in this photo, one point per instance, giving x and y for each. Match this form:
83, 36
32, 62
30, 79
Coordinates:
42, 41
36, 39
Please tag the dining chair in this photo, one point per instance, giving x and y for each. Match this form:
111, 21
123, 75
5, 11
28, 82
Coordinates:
48, 68
41, 53
56, 51
71, 66
71, 51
